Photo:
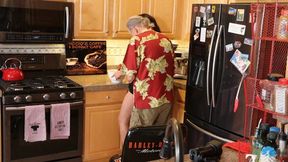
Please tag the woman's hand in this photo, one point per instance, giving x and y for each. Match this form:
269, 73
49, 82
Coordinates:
117, 74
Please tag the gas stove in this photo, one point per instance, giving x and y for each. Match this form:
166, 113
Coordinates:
40, 90
44, 82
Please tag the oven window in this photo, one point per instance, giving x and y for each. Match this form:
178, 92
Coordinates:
20, 149
32, 20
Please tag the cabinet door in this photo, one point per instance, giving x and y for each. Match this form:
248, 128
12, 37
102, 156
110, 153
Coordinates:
101, 130
91, 18
101, 138
252, 1
179, 104
215, 2
165, 13
123, 9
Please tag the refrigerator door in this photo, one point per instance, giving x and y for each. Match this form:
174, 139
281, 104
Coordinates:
236, 37
203, 36
199, 133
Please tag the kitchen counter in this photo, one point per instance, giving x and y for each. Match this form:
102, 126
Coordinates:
96, 82
102, 82
228, 155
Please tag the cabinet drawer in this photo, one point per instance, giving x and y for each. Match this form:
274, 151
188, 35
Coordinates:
180, 94
105, 97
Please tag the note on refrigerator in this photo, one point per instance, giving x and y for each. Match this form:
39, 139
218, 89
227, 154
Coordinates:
203, 35
198, 21
236, 28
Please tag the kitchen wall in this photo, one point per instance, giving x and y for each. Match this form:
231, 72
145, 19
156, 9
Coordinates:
116, 49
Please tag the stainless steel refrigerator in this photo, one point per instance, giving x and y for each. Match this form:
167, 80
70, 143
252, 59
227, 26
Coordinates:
218, 32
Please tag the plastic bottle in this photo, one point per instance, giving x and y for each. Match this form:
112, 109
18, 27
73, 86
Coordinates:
283, 25
267, 87
272, 137
281, 94
260, 139
282, 140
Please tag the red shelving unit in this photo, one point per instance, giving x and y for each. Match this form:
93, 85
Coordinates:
268, 55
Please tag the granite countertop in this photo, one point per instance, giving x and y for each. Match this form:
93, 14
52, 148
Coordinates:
102, 82
96, 82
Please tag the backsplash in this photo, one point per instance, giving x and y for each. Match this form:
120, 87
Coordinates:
116, 49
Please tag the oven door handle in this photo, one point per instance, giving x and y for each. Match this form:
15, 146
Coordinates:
78, 103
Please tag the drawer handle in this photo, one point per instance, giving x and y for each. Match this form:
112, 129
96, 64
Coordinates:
108, 97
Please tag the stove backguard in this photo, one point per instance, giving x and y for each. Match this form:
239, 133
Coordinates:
36, 59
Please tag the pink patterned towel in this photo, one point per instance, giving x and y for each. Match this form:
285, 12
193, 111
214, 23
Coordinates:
35, 125
60, 121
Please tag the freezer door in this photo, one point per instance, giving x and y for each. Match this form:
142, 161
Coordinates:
205, 19
199, 133
236, 38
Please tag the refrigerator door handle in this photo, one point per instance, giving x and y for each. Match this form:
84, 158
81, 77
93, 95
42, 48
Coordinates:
213, 66
208, 133
208, 65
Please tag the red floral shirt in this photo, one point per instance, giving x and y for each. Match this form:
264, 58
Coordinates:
150, 59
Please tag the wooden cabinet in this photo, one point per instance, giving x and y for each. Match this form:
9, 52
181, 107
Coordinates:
91, 18
107, 18
179, 104
101, 130
122, 10
165, 13
255, 1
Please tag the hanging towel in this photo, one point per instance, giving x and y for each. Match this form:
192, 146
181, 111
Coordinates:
35, 125
60, 121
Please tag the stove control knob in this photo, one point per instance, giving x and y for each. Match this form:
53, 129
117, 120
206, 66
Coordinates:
73, 95
28, 98
62, 95
17, 99
46, 97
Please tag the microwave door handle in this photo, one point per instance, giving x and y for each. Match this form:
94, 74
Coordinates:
67, 21
208, 65
213, 66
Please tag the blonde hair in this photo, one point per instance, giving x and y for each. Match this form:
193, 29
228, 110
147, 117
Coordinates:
138, 21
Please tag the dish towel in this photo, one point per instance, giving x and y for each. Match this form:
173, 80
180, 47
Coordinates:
35, 125
60, 121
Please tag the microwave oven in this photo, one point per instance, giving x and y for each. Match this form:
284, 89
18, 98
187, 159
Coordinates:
40, 21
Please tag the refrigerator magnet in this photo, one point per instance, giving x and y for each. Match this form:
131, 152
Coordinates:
236, 28
202, 9
248, 41
208, 9
196, 35
237, 44
197, 21
240, 15
195, 9
210, 21
209, 33
240, 61
213, 9
229, 47
203, 35
232, 11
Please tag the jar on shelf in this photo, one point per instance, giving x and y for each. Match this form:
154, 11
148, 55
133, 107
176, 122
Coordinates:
281, 96
283, 25
267, 87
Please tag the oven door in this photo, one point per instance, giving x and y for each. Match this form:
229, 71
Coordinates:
16, 149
